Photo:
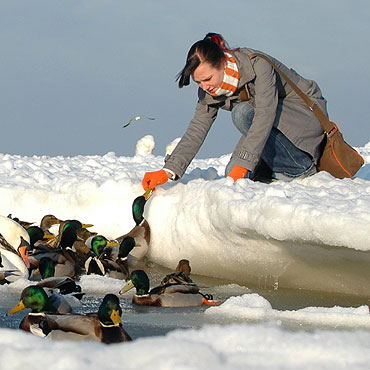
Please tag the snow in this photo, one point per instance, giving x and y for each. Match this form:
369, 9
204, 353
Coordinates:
311, 233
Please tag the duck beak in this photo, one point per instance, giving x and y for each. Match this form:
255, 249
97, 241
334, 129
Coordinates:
127, 287
111, 243
85, 226
23, 251
148, 194
18, 307
48, 236
115, 317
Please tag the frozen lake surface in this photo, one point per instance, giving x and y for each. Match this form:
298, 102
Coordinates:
255, 328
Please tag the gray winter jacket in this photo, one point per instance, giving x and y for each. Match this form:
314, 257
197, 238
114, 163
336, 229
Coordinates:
274, 103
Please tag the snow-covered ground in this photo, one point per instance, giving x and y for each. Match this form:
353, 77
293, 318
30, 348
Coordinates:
308, 234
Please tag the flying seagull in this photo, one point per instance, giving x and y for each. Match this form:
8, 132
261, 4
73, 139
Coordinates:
136, 119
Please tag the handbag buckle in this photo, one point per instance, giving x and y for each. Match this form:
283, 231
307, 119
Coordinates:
313, 107
332, 131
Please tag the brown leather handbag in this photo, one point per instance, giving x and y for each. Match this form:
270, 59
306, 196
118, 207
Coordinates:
338, 157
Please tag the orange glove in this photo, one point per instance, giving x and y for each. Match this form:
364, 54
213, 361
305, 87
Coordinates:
152, 179
237, 172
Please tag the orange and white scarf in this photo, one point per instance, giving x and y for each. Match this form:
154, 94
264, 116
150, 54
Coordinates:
230, 81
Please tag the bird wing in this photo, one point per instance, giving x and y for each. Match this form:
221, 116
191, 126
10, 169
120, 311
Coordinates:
136, 119
129, 122
175, 288
71, 323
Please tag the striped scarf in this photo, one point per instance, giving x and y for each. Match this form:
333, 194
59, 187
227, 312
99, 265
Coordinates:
231, 78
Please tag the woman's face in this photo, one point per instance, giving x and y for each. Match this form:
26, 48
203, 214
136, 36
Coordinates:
208, 77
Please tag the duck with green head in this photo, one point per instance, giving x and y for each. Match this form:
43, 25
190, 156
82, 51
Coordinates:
104, 326
141, 231
138, 206
64, 284
82, 249
36, 234
100, 247
119, 259
60, 249
35, 298
37, 238
110, 259
169, 295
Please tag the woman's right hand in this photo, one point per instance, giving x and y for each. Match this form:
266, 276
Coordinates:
153, 179
237, 172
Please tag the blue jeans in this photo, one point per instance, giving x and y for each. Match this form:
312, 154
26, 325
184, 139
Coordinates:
283, 158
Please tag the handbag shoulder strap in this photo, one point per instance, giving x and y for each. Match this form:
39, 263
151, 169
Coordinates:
317, 111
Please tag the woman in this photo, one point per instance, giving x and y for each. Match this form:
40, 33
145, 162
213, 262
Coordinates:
281, 136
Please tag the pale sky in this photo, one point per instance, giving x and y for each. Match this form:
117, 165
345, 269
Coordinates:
73, 72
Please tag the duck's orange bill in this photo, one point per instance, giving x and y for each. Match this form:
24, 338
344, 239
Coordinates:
23, 251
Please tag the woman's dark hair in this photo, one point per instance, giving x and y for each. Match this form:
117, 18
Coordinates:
211, 50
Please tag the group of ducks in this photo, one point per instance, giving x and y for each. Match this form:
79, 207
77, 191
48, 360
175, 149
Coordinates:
34, 253
74, 251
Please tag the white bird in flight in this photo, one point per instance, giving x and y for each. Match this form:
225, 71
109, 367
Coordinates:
136, 119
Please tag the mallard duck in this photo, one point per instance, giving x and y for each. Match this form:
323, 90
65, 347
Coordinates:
181, 274
60, 249
48, 221
37, 237
116, 261
37, 234
36, 298
94, 263
108, 260
15, 259
67, 233
169, 295
104, 326
63, 284
121, 257
80, 247
140, 232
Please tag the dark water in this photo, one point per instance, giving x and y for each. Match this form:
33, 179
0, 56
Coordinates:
140, 321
